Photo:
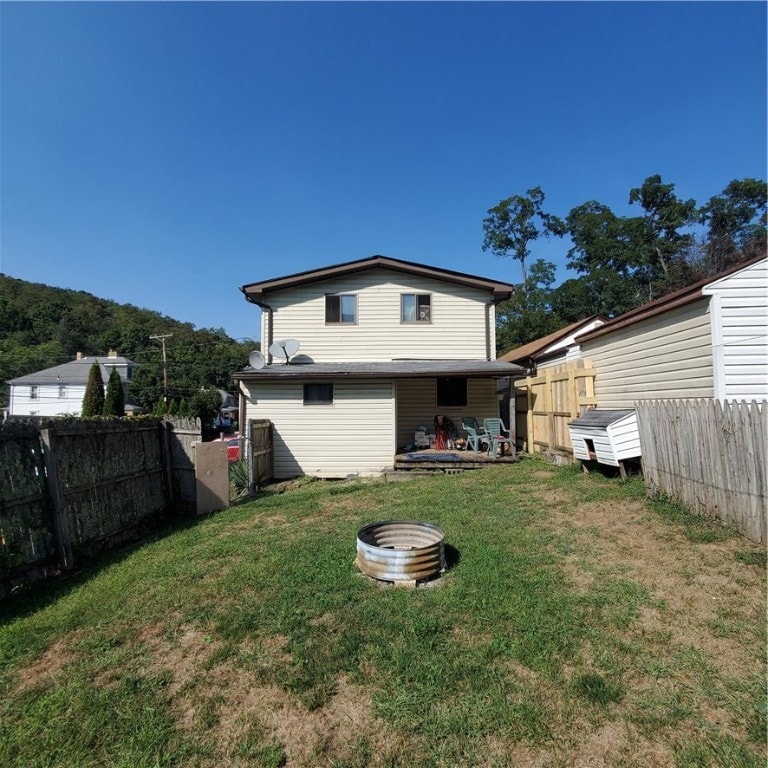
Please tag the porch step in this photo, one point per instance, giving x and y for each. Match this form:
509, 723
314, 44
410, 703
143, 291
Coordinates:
400, 475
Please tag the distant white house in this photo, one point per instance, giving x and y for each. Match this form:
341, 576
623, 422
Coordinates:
59, 391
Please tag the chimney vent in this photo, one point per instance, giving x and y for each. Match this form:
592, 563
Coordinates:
112, 353
79, 356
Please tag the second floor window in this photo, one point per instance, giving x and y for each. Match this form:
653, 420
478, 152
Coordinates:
341, 308
416, 308
62, 390
33, 392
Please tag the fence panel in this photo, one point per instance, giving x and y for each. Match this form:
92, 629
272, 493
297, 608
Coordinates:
27, 545
709, 457
110, 477
550, 400
75, 488
182, 435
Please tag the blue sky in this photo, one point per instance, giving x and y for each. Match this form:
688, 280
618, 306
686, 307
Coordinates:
164, 154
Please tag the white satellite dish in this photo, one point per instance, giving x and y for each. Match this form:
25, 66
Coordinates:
287, 347
256, 360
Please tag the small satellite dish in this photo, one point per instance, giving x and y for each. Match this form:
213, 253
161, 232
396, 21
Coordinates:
256, 360
287, 347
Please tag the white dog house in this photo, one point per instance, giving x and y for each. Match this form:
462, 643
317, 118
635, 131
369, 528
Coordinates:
607, 437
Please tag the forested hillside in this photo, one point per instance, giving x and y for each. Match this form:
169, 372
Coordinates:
42, 326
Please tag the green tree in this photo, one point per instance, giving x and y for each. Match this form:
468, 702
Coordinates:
204, 405
114, 402
93, 400
736, 224
514, 223
528, 314
657, 235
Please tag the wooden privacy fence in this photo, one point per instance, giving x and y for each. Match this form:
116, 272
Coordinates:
709, 457
72, 488
549, 401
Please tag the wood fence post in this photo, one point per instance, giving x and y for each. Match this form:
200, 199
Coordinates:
60, 531
166, 427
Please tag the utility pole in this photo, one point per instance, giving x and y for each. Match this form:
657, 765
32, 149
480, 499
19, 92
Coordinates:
162, 339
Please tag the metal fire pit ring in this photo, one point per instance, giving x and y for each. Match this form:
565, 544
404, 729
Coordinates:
400, 551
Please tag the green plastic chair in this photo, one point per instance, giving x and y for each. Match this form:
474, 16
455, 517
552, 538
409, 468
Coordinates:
476, 435
497, 435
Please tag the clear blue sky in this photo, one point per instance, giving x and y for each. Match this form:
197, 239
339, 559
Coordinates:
164, 154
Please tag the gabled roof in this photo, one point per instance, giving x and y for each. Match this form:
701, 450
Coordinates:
255, 292
533, 348
73, 372
664, 304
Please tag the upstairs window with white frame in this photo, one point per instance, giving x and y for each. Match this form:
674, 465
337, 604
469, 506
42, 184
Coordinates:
62, 390
341, 308
33, 392
415, 308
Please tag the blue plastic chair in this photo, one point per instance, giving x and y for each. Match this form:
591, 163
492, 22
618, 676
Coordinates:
497, 435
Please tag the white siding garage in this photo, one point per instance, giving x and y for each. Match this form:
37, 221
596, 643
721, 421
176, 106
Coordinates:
739, 309
354, 434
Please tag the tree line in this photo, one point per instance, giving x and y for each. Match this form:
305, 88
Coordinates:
621, 262
42, 326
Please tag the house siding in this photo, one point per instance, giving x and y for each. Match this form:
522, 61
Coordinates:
353, 435
417, 405
667, 356
47, 402
739, 313
457, 330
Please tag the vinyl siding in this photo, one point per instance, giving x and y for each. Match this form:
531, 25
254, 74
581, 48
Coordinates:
740, 333
457, 330
417, 405
353, 435
667, 356
47, 402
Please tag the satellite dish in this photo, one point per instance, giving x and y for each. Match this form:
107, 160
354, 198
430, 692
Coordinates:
256, 360
287, 347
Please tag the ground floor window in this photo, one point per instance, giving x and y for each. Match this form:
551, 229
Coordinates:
318, 394
451, 391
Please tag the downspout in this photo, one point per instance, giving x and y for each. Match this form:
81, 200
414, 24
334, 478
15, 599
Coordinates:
488, 305
270, 324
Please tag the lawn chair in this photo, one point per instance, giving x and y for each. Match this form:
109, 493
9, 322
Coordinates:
476, 435
495, 436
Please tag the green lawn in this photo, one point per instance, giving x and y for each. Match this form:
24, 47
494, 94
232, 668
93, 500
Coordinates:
579, 624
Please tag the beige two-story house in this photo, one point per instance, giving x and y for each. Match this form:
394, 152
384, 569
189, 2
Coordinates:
384, 346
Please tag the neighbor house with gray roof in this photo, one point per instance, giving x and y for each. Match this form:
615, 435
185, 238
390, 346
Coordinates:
384, 346
59, 391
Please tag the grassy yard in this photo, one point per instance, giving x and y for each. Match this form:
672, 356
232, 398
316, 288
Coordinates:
579, 625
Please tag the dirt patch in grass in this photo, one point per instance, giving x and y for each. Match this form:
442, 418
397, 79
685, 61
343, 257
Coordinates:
224, 705
689, 582
46, 669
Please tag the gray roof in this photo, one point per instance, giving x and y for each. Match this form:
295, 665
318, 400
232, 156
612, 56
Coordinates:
397, 369
73, 372
598, 418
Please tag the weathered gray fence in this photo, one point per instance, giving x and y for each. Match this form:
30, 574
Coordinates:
709, 457
261, 452
71, 488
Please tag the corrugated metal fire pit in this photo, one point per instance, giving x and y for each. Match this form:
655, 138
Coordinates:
400, 551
